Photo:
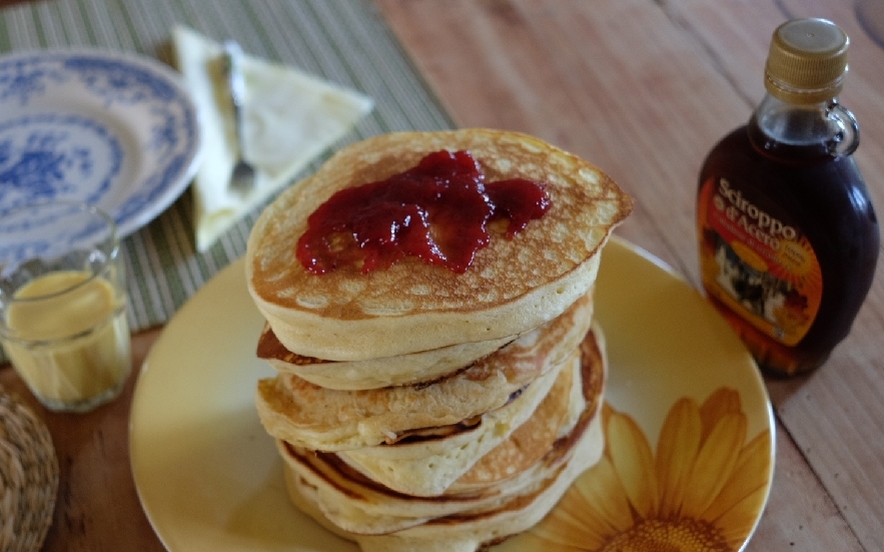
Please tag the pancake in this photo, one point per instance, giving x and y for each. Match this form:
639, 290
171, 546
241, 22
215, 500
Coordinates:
377, 373
510, 462
513, 285
316, 418
355, 506
374, 373
501, 449
428, 466
482, 519
473, 528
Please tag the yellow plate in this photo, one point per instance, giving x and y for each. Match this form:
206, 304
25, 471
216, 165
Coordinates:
683, 395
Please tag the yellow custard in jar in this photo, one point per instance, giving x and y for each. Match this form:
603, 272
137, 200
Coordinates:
71, 336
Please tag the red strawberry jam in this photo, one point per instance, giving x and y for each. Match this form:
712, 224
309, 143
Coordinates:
437, 211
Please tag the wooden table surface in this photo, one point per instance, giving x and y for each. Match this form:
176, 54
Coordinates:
642, 89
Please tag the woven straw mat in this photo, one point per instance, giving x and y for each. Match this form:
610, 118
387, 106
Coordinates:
28, 477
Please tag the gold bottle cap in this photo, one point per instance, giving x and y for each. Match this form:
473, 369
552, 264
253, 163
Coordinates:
807, 61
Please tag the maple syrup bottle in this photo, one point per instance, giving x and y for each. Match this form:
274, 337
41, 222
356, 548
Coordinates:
788, 237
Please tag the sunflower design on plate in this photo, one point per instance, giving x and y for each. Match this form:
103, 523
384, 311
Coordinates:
700, 491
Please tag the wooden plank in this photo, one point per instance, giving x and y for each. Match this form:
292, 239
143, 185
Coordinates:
835, 416
800, 515
600, 83
97, 507
644, 90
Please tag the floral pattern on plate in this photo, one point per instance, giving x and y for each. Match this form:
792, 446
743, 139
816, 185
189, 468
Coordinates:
114, 130
699, 491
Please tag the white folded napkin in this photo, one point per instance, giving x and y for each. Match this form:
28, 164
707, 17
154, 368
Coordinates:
289, 118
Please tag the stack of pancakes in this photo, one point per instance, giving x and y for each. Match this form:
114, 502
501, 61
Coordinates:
420, 408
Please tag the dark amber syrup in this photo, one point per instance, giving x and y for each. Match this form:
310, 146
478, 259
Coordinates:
827, 198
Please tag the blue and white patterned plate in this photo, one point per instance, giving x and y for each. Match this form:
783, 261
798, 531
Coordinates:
118, 131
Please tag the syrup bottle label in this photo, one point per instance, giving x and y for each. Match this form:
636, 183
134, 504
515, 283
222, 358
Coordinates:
756, 262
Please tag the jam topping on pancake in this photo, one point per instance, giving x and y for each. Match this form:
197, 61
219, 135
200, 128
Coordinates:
438, 211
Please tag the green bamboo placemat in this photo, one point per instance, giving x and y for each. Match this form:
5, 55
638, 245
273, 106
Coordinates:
343, 41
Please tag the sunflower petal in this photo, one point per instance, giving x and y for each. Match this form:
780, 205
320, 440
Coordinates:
583, 518
715, 463
633, 461
676, 453
721, 402
752, 472
540, 539
607, 412
605, 510
572, 523
737, 524
564, 535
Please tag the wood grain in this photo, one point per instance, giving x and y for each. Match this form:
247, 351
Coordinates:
644, 89
97, 507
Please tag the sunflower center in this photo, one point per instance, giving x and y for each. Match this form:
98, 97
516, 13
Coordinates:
669, 535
